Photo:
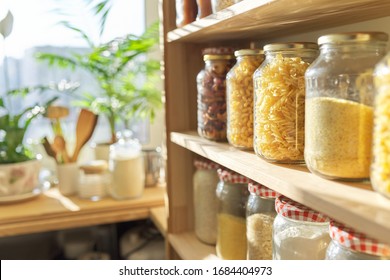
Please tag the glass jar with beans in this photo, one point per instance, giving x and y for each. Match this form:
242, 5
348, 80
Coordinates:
211, 85
239, 98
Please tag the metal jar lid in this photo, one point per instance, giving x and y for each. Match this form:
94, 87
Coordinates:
248, 52
353, 37
217, 57
291, 46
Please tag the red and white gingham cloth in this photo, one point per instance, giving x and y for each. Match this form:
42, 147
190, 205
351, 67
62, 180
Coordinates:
230, 176
205, 164
260, 190
356, 241
296, 211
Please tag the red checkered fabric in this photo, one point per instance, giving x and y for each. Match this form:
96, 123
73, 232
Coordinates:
205, 164
230, 176
260, 190
296, 211
357, 241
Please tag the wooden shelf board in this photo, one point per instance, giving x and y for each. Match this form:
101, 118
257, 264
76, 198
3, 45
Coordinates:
160, 219
355, 204
275, 18
188, 247
52, 211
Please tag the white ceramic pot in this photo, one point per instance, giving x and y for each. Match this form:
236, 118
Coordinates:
19, 178
68, 178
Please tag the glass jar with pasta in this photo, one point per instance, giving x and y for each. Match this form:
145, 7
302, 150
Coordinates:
279, 111
339, 105
239, 98
211, 85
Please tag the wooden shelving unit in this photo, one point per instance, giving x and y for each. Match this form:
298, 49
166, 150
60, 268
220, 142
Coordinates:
240, 25
159, 217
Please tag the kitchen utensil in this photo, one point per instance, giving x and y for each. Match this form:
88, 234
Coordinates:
59, 146
86, 124
55, 113
48, 148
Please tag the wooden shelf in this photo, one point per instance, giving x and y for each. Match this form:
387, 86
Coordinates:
52, 211
160, 219
354, 204
275, 18
188, 247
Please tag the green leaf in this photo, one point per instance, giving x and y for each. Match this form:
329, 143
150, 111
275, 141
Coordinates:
81, 33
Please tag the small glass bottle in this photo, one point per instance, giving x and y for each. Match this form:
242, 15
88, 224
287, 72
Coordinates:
260, 215
299, 233
218, 5
380, 167
348, 244
232, 193
204, 8
94, 180
279, 111
239, 98
127, 168
211, 87
339, 105
205, 181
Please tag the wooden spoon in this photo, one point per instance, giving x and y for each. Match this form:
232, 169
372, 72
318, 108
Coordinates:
48, 148
86, 124
59, 146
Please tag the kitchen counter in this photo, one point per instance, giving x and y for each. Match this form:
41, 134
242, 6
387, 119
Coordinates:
53, 211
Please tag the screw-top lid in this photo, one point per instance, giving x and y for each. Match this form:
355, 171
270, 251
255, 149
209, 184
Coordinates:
357, 241
229, 176
218, 51
217, 57
291, 46
353, 37
205, 164
248, 52
94, 167
296, 211
260, 190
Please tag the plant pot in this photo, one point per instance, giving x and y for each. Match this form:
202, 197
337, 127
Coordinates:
19, 179
68, 178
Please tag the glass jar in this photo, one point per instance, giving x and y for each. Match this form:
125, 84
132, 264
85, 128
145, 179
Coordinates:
186, 11
347, 244
339, 105
279, 110
205, 181
94, 180
232, 193
260, 215
218, 5
380, 168
127, 168
239, 98
299, 233
204, 8
211, 87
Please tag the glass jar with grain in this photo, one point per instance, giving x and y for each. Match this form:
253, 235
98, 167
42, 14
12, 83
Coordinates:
239, 98
299, 232
348, 244
232, 193
211, 86
205, 182
260, 215
380, 167
279, 110
339, 105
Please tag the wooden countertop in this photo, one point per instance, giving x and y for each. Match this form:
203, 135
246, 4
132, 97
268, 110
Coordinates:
52, 211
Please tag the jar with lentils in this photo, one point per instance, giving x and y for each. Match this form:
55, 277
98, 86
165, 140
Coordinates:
205, 182
211, 85
260, 215
279, 111
348, 244
232, 193
239, 98
339, 105
299, 232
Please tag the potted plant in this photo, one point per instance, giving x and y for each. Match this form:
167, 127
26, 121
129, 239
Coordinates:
126, 77
19, 168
